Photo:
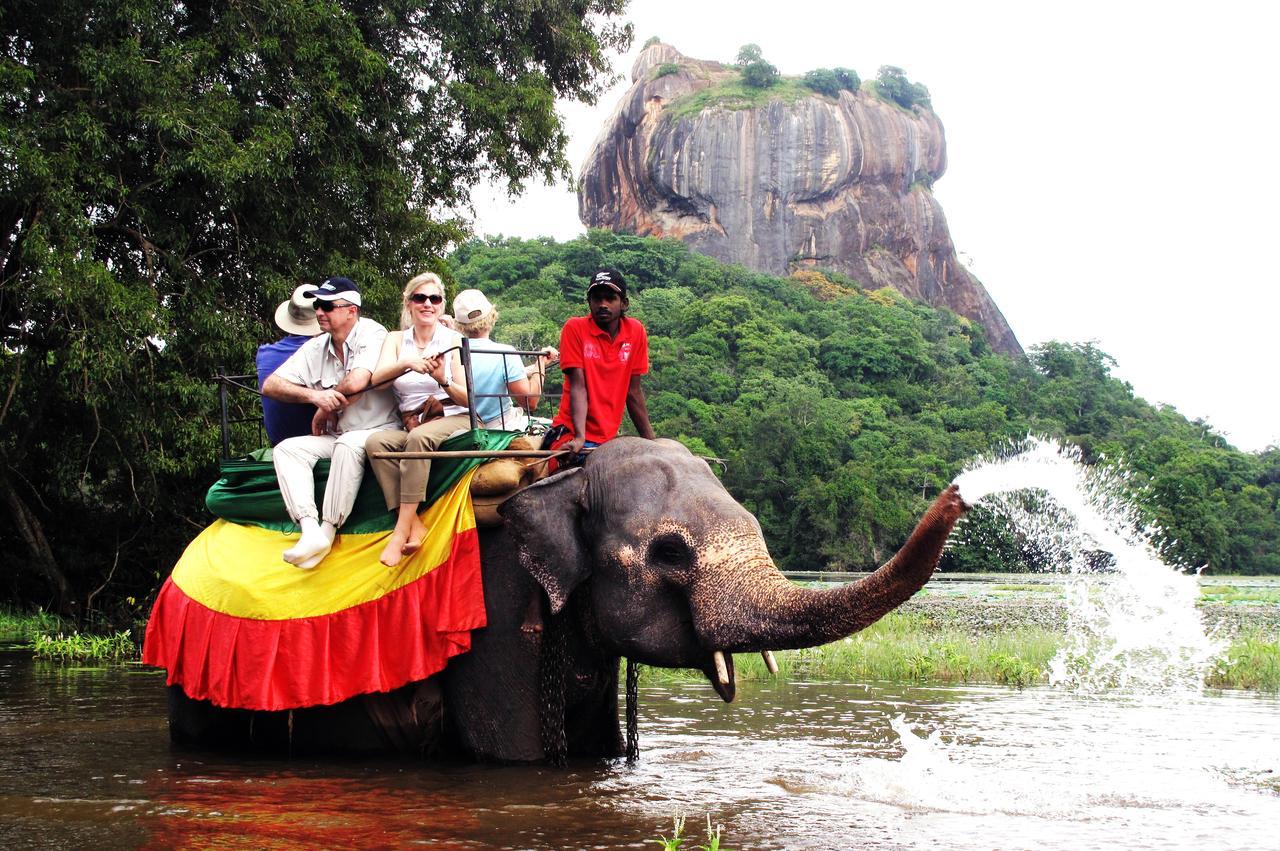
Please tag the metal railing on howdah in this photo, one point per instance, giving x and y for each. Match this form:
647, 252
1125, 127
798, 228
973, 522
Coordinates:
227, 383
466, 355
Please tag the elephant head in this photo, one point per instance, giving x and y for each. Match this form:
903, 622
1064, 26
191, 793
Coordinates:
676, 573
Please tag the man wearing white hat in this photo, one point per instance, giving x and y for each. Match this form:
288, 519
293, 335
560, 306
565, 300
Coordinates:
297, 318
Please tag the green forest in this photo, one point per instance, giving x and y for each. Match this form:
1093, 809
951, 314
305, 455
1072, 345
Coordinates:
172, 171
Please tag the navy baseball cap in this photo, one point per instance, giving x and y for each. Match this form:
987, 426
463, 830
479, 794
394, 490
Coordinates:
336, 288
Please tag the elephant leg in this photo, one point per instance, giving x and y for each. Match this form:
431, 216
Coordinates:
591, 712
200, 724
491, 692
492, 696
346, 727
411, 719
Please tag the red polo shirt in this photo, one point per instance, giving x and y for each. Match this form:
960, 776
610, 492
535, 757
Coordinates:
607, 364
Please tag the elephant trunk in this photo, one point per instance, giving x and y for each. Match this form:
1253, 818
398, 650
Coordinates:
750, 606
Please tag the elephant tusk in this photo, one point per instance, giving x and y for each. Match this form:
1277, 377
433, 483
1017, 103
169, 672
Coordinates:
770, 662
722, 670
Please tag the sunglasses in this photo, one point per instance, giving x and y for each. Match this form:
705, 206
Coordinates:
423, 298
326, 306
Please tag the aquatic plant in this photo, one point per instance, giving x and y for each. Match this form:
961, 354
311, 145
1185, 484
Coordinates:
1232, 594
677, 838
78, 647
1012, 671
902, 646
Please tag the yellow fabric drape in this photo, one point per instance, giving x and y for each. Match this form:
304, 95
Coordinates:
238, 570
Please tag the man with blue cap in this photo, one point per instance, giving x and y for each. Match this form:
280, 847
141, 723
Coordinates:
331, 371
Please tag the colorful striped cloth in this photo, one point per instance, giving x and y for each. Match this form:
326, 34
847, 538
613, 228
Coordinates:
237, 626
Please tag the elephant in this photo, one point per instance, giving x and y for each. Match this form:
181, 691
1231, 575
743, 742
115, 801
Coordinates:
639, 553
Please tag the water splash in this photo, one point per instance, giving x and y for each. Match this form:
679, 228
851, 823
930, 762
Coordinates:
937, 776
1132, 622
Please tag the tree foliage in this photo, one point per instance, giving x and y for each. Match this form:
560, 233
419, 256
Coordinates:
172, 170
823, 81
830, 82
848, 79
892, 84
756, 72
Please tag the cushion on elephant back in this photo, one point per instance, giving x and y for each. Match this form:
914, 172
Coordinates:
498, 479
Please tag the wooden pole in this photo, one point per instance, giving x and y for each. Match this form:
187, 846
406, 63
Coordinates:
476, 453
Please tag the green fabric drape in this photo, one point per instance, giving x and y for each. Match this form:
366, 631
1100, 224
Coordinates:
248, 492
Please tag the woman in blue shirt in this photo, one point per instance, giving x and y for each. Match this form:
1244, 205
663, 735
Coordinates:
497, 370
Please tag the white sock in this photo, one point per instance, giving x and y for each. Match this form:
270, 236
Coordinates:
313, 541
314, 560
327, 533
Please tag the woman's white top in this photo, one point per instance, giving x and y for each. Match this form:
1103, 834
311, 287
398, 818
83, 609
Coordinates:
413, 388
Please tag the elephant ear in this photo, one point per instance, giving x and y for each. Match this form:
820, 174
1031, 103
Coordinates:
544, 521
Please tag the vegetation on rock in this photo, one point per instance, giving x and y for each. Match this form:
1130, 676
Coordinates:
759, 83
891, 84
830, 82
734, 93
756, 72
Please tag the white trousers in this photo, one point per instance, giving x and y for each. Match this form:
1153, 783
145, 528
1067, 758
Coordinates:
295, 459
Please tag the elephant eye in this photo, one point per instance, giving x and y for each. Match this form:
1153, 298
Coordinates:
669, 551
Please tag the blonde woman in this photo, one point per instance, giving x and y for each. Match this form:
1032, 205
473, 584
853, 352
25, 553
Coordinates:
431, 394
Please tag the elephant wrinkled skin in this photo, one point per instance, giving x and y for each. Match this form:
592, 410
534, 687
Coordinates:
640, 553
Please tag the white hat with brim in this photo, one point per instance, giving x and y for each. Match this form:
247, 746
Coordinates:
298, 315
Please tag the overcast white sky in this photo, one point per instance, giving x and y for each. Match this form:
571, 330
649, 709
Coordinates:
1112, 168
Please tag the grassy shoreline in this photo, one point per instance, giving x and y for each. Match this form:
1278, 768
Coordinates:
931, 639
909, 647
25, 626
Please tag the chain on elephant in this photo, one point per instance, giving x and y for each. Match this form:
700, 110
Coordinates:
555, 744
633, 712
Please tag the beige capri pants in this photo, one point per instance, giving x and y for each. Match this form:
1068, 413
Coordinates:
405, 480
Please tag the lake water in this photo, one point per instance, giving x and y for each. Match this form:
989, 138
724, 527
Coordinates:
85, 762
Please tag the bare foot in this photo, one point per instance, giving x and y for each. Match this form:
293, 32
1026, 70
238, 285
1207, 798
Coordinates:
417, 532
394, 549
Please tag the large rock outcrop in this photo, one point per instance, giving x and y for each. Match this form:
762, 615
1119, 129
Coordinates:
809, 181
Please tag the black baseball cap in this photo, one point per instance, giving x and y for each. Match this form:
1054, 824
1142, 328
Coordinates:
610, 278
